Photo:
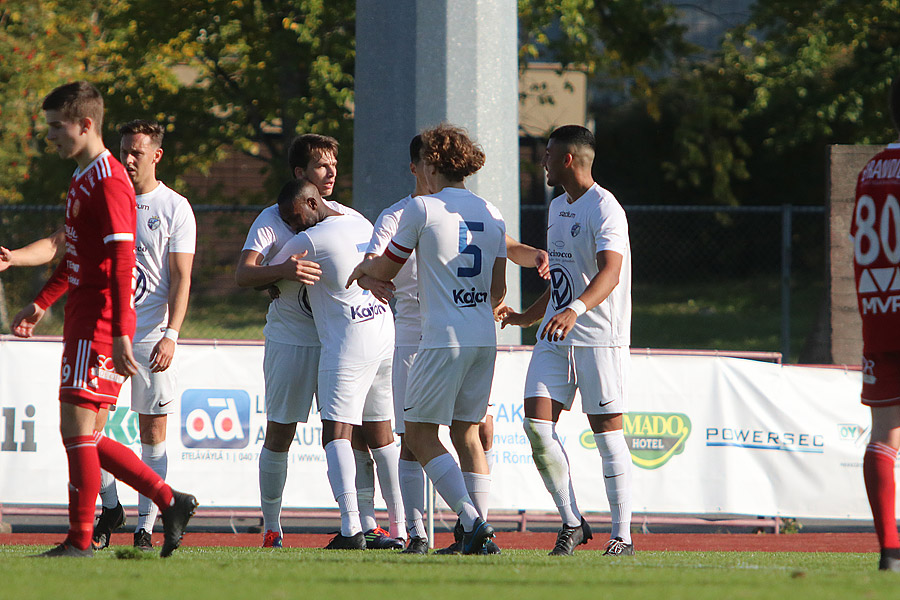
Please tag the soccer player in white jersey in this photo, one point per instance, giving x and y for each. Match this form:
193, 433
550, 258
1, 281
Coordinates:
357, 335
164, 250
408, 332
291, 360
459, 240
584, 338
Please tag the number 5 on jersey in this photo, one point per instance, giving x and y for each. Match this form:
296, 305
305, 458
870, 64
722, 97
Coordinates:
466, 248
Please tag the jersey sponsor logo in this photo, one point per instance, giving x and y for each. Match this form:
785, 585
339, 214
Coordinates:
576, 229
562, 290
140, 284
143, 207
653, 438
882, 169
468, 298
367, 312
565, 213
558, 254
153, 223
215, 418
104, 369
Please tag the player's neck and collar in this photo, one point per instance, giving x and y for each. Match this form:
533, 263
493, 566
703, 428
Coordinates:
141, 188
93, 149
577, 188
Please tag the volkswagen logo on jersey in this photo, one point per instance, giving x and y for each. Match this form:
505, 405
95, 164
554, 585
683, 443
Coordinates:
140, 284
303, 300
576, 229
215, 419
153, 223
561, 288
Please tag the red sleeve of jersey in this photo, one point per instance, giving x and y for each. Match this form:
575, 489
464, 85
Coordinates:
118, 225
55, 287
121, 284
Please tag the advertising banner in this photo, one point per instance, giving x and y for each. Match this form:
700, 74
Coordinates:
708, 436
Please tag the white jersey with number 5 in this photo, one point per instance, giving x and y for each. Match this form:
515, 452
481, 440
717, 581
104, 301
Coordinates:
353, 326
457, 236
165, 223
576, 232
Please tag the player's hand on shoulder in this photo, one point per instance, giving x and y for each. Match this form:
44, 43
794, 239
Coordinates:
382, 290
25, 320
304, 271
161, 355
123, 358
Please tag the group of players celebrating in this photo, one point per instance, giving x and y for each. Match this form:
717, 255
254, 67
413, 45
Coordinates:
440, 253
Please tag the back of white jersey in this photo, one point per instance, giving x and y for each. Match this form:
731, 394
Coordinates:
289, 320
354, 328
407, 318
576, 232
165, 223
457, 237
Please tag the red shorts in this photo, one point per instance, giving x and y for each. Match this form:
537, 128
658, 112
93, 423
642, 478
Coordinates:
88, 377
881, 378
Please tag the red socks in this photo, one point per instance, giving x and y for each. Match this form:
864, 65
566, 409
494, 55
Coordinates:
84, 485
878, 471
125, 466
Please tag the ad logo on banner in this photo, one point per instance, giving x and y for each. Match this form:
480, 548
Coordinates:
123, 426
653, 438
851, 432
215, 419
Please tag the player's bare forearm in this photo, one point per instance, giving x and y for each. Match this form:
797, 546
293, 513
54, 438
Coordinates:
528, 257
498, 282
530, 316
601, 285
180, 267
379, 267
39, 252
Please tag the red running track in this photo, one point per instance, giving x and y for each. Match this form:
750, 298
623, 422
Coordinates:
708, 542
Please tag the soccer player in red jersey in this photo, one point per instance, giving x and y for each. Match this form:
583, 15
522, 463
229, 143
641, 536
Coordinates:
97, 272
876, 256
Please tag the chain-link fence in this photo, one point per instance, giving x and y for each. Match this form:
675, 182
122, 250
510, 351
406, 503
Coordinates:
741, 278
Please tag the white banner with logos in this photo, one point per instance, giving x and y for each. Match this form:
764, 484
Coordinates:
708, 435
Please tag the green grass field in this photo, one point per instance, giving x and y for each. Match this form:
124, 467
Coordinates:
243, 573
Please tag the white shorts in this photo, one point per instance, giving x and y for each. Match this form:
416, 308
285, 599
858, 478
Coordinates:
290, 375
450, 384
152, 393
356, 394
403, 360
599, 373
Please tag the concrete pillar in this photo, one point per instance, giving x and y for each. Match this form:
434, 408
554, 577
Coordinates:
845, 325
421, 62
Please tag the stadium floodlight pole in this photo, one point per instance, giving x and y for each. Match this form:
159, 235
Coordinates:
429, 508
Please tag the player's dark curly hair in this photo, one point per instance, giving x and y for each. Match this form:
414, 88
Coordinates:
450, 150
77, 100
151, 129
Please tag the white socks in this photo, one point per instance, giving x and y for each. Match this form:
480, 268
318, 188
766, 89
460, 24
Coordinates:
617, 475
109, 495
272, 475
553, 466
387, 459
155, 457
448, 481
342, 477
479, 488
412, 488
365, 489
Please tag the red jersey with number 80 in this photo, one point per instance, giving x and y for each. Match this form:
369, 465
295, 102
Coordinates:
876, 250
100, 214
